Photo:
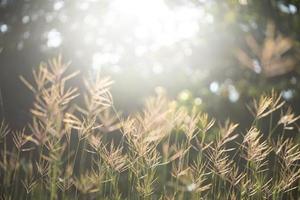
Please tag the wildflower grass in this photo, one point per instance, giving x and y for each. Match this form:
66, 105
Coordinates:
167, 151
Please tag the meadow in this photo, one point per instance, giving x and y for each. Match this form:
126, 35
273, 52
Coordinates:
76, 150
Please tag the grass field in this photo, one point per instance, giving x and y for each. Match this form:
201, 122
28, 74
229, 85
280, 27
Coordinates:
72, 150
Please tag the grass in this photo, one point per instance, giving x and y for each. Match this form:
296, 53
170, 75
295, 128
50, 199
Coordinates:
74, 151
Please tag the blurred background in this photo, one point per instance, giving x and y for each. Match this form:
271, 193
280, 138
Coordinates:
215, 54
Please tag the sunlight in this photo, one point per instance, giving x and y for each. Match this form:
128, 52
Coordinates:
155, 22
145, 28
54, 38
100, 59
3, 28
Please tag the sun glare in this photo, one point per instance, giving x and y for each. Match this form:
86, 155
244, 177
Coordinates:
156, 22
149, 26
